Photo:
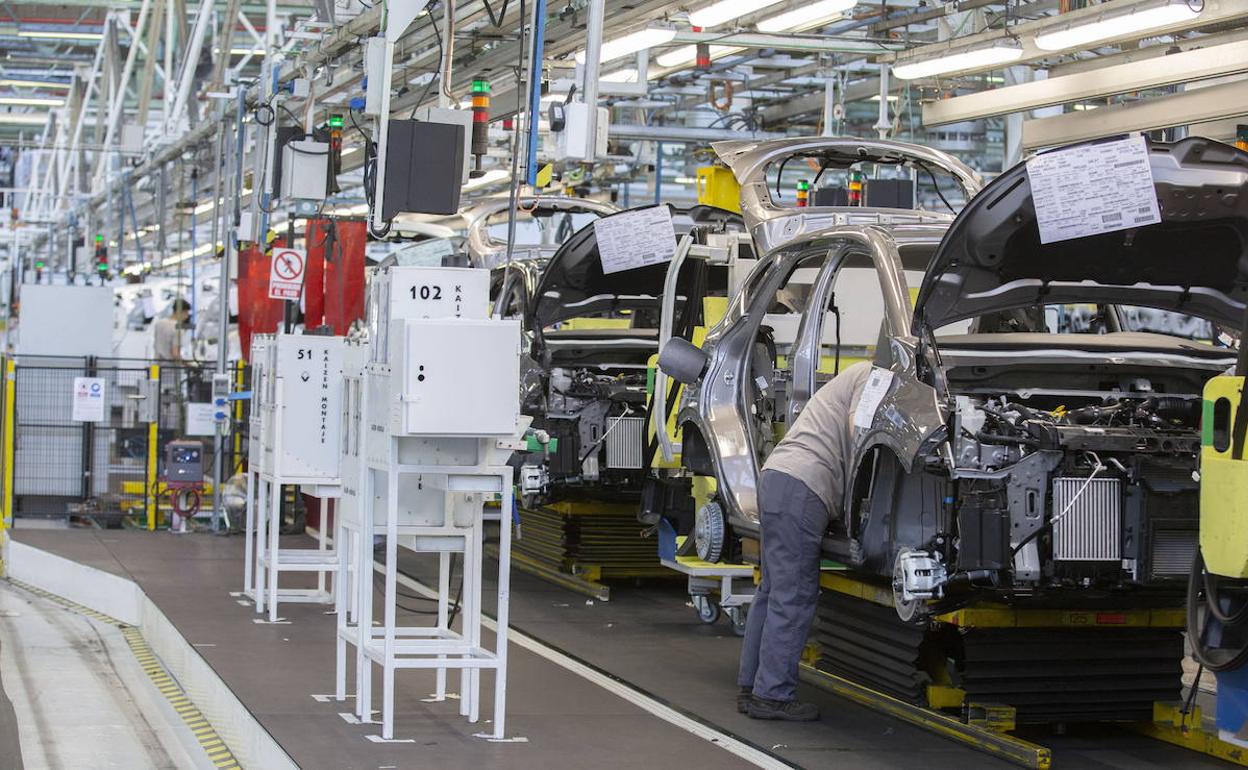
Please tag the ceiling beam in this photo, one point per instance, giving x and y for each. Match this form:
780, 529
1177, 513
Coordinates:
1184, 67
1215, 12
1196, 105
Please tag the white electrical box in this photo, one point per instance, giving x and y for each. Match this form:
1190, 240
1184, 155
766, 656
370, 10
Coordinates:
375, 63
299, 395
574, 142
246, 232
305, 170
132, 138
454, 117
354, 377
447, 377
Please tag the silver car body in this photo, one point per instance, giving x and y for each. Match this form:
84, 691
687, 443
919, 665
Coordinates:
488, 252
717, 409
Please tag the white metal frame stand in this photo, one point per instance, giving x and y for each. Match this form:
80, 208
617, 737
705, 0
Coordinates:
271, 559
439, 647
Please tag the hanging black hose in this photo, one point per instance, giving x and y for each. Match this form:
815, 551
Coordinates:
1213, 659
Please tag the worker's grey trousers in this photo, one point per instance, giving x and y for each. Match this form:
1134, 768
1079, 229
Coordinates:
793, 520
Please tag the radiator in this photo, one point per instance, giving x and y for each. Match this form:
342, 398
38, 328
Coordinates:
1092, 529
1174, 550
625, 443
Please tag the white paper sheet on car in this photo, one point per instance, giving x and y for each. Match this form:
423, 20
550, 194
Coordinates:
633, 239
1093, 188
873, 393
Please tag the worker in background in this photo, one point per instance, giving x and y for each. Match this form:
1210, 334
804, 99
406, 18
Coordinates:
800, 489
167, 332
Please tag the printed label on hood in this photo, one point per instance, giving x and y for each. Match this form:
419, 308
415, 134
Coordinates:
1093, 188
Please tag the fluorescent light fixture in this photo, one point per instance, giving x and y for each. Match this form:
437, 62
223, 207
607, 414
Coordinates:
1084, 107
24, 118
246, 52
1110, 23
489, 177
891, 98
1001, 52
631, 43
628, 75
33, 101
726, 10
685, 180
688, 54
22, 83
60, 35
805, 15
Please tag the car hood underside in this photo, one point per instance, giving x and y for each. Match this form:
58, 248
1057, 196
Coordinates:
1192, 262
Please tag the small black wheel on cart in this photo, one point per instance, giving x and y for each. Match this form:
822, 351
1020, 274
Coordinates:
738, 617
707, 609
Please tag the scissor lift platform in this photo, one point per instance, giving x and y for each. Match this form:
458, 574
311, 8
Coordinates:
946, 710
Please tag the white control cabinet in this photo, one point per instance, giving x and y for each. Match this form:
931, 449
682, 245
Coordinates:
447, 379
302, 423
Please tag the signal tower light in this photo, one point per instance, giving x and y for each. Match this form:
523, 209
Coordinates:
803, 193
856, 181
480, 122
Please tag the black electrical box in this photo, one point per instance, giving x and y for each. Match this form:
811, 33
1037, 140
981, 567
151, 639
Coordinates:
424, 168
831, 196
890, 193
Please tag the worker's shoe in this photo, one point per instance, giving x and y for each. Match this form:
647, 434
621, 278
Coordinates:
783, 710
744, 695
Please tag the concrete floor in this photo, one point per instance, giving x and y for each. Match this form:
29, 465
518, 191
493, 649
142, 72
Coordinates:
646, 636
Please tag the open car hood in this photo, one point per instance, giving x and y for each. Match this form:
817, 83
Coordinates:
1193, 262
573, 284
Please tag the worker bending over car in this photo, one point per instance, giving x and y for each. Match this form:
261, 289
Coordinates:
801, 488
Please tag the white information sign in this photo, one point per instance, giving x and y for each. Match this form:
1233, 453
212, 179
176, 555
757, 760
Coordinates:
89, 399
200, 419
873, 393
1094, 188
286, 273
635, 239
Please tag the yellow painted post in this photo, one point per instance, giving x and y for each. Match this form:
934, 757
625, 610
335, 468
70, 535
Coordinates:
10, 433
153, 430
238, 420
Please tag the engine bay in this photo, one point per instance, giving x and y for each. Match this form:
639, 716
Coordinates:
1089, 484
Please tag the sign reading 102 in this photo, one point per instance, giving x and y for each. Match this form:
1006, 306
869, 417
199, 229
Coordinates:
426, 292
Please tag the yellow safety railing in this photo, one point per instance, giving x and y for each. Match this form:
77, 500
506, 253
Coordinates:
152, 437
6, 514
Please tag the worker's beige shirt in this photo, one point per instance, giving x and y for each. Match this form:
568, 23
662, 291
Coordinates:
165, 343
817, 448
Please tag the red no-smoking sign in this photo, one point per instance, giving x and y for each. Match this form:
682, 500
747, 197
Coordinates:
286, 273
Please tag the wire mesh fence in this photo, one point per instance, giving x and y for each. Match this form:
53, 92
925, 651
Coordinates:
106, 466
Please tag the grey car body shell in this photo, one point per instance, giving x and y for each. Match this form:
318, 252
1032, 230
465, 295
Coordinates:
486, 252
715, 407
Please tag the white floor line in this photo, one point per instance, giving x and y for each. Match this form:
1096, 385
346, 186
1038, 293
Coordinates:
662, 711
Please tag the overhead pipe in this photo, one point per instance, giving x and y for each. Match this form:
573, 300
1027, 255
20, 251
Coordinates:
589, 78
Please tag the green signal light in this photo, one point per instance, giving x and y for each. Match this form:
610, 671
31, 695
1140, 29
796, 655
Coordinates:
803, 185
336, 121
99, 239
480, 86
38, 264
102, 267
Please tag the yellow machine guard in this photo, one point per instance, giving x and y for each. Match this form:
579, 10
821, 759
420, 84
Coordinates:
1223, 482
